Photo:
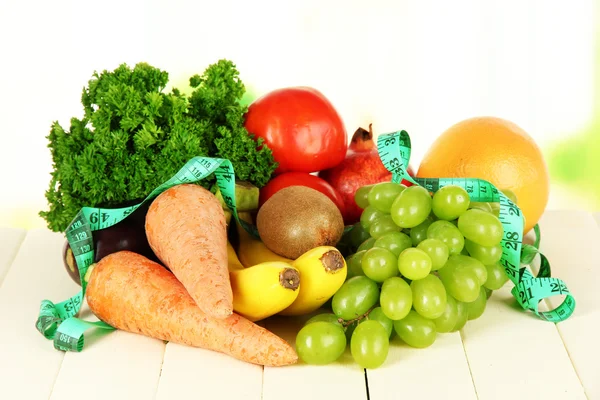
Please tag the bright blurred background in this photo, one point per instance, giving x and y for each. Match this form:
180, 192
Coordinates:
415, 65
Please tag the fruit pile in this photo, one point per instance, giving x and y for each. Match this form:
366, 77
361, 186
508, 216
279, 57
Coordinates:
319, 231
421, 265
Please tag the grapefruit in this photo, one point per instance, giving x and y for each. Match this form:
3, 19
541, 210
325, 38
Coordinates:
497, 151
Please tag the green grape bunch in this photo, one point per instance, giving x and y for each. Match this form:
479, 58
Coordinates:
420, 265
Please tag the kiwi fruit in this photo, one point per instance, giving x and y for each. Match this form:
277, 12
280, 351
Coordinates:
297, 219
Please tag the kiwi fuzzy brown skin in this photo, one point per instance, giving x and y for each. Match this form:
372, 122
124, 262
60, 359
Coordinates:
297, 219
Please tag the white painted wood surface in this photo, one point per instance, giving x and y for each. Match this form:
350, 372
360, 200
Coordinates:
507, 353
203, 374
130, 364
30, 363
436, 372
342, 379
513, 353
10, 241
577, 262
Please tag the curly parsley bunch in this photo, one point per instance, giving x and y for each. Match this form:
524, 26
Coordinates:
134, 136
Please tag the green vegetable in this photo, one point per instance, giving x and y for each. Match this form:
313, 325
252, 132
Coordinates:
134, 136
246, 197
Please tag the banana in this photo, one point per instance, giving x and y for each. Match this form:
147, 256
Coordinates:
263, 289
228, 217
233, 262
252, 251
323, 270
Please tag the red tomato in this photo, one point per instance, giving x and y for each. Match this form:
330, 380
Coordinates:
301, 127
299, 179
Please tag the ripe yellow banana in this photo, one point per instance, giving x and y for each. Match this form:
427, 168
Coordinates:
252, 251
323, 270
263, 289
233, 262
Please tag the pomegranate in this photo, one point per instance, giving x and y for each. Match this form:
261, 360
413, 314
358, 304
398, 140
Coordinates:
361, 166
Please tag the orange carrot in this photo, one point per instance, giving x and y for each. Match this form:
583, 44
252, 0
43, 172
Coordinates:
186, 229
132, 293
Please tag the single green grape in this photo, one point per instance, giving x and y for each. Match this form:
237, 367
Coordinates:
354, 264
473, 264
483, 206
436, 250
488, 292
369, 215
396, 242
355, 297
447, 233
476, 308
415, 330
396, 298
481, 227
377, 314
463, 316
495, 209
411, 207
370, 344
358, 235
382, 195
510, 194
414, 263
324, 317
446, 322
487, 255
383, 225
361, 196
320, 343
461, 282
429, 296
379, 264
367, 244
419, 232
449, 202
496, 276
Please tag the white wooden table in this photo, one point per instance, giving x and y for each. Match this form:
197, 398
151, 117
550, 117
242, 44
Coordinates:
505, 354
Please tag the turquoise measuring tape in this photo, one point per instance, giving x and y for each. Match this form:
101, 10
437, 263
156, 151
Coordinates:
394, 150
58, 321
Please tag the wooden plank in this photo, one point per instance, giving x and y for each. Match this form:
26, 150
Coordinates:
127, 364
10, 240
29, 361
571, 242
190, 372
437, 372
340, 380
514, 354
